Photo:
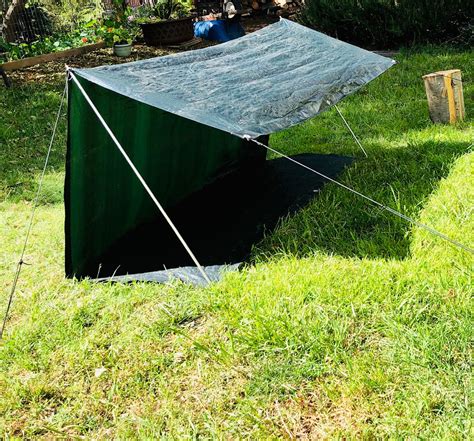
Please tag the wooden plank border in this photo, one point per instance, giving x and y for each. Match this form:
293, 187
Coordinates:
32, 61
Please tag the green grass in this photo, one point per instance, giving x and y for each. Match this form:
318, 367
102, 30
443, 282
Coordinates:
350, 323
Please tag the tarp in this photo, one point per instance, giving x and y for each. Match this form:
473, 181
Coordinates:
258, 84
218, 30
181, 120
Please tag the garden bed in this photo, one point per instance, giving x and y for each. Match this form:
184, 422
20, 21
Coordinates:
168, 31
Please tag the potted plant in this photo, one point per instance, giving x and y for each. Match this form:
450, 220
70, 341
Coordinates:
120, 38
167, 22
123, 44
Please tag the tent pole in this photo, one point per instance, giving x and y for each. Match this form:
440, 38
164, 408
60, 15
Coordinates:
21, 262
138, 175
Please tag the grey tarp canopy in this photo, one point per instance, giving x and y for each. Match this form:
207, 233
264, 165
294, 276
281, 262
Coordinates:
183, 120
261, 83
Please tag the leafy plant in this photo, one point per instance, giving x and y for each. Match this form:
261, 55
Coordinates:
168, 9
118, 34
4, 46
69, 15
120, 10
162, 10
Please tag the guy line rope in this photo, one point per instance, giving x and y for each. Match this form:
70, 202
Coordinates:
30, 223
373, 201
350, 129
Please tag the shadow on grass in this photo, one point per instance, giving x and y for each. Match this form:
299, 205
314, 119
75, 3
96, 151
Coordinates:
224, 220
339, 222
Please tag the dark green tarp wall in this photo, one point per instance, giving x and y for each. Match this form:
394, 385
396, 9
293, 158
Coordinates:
103, 197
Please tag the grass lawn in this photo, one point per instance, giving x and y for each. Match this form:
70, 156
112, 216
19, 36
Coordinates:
348, 323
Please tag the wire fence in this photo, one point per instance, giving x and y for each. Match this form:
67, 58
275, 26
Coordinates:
24, 21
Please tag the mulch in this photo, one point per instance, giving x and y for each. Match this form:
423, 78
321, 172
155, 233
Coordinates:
53, 71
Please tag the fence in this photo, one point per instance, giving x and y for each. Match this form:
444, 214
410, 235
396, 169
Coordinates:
26, 20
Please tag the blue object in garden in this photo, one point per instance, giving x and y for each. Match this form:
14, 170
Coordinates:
218, 30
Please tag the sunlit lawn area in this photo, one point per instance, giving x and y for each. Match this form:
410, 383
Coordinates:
347, 322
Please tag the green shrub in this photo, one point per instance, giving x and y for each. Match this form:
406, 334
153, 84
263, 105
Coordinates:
391, 23
162, 10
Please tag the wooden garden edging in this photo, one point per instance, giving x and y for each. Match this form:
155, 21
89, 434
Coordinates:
32, 61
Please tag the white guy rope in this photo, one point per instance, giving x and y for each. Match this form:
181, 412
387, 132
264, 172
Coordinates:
350, 129
138, 175
30, 224
378, 204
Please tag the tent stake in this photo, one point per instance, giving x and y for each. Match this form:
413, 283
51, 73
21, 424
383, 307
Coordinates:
138, 175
